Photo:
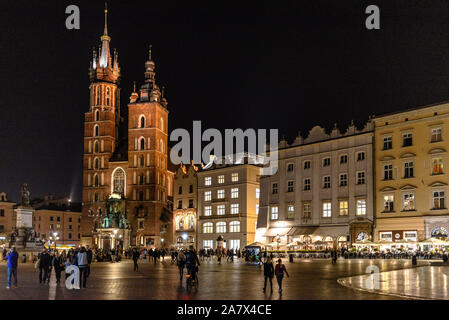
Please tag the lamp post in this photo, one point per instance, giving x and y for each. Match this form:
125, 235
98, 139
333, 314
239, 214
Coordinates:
55, 234
114, 238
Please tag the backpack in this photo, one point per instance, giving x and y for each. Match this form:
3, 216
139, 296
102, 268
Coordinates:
181, 256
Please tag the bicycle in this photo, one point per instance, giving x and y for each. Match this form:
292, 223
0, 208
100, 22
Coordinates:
192, 279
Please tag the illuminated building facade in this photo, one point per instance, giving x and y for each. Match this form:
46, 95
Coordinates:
411, 174
185, 205
322, 191
126, 182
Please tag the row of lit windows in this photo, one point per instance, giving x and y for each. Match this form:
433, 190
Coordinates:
436, 168
407, 138
221, 194
221, 209
343, 209
408, 203
326, 182
326, 162
232, 244
221, 179
220, 227
58, 219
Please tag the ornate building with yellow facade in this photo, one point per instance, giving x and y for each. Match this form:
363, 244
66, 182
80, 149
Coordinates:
185, 206
411, 177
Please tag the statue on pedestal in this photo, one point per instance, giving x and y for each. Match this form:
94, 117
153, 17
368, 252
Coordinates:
25, 195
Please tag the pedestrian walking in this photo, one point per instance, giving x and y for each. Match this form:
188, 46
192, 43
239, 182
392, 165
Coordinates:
58, 265
12, 258
82, 265
279, 271
135, 256
268, 272
44, 266
181, 263
334, 256
90, 255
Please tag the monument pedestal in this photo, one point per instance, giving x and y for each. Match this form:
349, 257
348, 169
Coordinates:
24, 239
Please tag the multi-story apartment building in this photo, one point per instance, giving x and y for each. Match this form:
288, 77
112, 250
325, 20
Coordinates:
228, 204
322, 191
411, 177
185, 205
60, 221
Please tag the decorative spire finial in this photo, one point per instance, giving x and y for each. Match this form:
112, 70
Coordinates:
105, 19
149, 52
134, 90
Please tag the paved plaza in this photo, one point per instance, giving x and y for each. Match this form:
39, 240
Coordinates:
309, 279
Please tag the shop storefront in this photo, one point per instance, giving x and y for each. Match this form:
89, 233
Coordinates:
399, 229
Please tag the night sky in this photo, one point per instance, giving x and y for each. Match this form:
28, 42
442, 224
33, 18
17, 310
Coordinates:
231, 64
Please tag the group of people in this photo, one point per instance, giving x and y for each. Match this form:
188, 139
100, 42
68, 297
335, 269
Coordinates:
49, 260
269, 271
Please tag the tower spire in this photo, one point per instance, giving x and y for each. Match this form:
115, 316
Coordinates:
149, 52
105, 33
105, 56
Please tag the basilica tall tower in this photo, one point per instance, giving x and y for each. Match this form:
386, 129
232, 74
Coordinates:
100, 132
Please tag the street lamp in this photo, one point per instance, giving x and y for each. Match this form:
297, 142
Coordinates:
55, 234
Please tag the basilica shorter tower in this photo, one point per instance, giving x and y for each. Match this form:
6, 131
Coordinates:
126, 181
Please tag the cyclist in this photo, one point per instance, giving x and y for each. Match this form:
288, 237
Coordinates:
192, 262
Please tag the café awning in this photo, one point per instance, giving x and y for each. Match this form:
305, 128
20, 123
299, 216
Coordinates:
299, 231
273, 232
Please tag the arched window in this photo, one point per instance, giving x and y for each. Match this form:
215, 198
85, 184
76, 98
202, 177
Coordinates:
96, 147
96, 197
234, 226
98, 95
221, 227
108, 96
142, 121
96, 183
191, 222
97, 115
190, 239
96, 130
96, 163
142, 143
118, 179
141, 195
180, 225
179, 240
208, 227
142, 161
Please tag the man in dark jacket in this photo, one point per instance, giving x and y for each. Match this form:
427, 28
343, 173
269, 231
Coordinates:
89, 260
268, 272
44, 266
135, 256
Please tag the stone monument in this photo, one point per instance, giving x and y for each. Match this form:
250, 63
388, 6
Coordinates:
24, 236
